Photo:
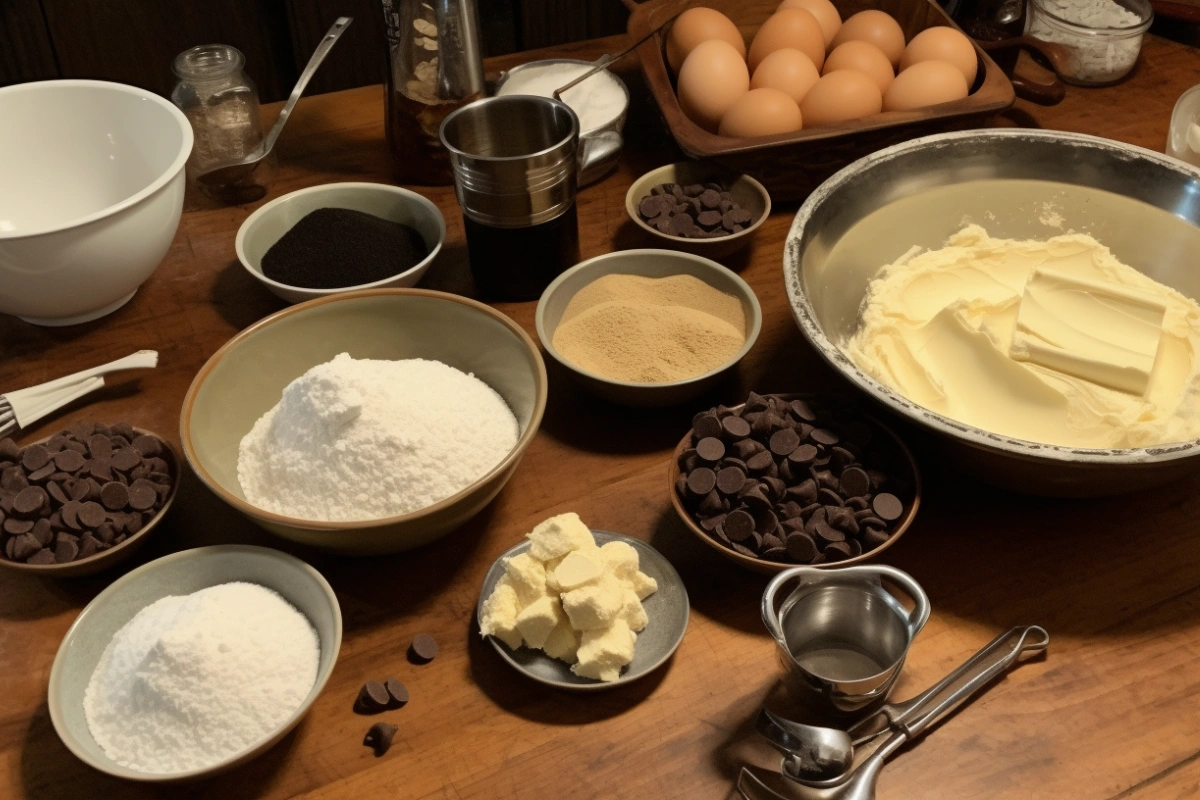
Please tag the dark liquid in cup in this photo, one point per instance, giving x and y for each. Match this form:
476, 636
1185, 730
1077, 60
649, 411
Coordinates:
519, 263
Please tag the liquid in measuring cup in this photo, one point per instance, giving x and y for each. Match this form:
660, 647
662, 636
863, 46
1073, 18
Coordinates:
838, 661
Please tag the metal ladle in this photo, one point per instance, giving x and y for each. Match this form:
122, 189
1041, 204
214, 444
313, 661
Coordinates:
820, 758
228, 173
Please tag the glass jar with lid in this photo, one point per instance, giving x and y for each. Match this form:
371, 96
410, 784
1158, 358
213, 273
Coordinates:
219, 99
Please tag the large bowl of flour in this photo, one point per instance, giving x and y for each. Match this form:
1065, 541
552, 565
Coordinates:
368, 422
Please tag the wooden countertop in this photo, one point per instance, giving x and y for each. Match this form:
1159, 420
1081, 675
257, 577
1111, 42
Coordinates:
1111, 713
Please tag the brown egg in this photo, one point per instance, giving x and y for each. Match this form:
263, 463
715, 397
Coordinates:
787, 70
711, 79
761, 112
876, 27
925, 84
792, 27
839, 96
942, 44
864, 57
825, 12
698, 25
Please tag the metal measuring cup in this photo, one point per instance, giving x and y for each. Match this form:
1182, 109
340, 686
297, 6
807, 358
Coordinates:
516, 161
842, 636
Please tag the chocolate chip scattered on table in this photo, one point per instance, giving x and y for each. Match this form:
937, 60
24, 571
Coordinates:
693, 211
81, 492
792, 481
379, 737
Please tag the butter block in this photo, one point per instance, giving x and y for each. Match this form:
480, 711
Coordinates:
558, 536
499, 617
620, 558
527, 576
603, 652
632, 611
642, 585
576, 568
537, 620
1105, 333
595, 605
563, 642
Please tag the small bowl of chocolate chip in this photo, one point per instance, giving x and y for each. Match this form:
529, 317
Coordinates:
84, 499
698, 208
794, 480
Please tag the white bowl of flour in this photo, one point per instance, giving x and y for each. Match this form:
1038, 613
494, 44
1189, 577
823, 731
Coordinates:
157, 681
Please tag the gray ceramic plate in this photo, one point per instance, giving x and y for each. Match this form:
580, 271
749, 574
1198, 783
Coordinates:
667, 610
177, 574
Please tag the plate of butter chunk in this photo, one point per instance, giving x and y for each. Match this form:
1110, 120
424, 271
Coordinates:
581, 609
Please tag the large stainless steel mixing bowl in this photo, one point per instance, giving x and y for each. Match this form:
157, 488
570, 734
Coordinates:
1018, 184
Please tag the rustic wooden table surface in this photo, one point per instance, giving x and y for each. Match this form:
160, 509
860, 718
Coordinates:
1111, 713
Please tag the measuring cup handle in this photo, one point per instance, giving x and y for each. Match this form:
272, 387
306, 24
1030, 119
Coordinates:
920, 613
770, 615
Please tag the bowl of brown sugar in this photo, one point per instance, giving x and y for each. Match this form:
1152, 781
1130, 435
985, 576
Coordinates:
648, 327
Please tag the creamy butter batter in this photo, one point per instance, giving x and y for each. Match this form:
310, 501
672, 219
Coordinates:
938, 326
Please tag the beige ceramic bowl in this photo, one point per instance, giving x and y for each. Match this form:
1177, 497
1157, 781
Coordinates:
268, 224
177, 574
246, 377
113, 555
749, 194
652, 264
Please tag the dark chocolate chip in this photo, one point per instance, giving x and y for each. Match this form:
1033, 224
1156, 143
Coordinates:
854, 481
397, 691
24, 546
372, 698
888, 506
824, 436
35, 457
149, 446
100, 447
710, 524
41, 557
66, 548
711, 504
114, 496
730, 480
774, 554
379, 737
801, 547
423, 648
17, 526
803, 455
826, 533
837, 551
9, 450
735, 428
56, 493
710, 449
802, 411
142, 495
701, 481
29, 500
784, 441
873, 538
760, 462
829, 497
13, 480
39, 475
126, 459
738, 525
91, 514
743, 550
88, 546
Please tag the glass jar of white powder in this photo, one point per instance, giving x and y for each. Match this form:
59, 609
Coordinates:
1103, 37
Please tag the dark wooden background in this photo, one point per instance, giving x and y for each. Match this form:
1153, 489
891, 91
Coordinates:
134, 41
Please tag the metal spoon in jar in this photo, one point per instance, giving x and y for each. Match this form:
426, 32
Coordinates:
228, 173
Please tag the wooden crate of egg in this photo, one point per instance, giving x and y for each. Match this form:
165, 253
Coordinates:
791, 91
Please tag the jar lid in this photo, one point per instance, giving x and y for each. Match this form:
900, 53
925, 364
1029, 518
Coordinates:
208, 62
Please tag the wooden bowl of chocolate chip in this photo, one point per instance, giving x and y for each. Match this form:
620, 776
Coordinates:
84, 499
794, 480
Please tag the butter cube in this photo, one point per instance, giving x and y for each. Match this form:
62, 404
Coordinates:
620, 559
632, 611
538, 619
499, 617
563, 642
558, 536
642, 585
603, 652
527, 576
595, 605
576, 569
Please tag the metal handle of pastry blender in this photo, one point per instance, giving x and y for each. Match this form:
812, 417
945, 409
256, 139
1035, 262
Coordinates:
980, 668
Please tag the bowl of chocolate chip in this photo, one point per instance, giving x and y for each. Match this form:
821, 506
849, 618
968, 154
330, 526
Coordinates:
794, 479
698, 208
84, 499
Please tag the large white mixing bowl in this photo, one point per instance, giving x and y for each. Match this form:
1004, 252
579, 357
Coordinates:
91, 189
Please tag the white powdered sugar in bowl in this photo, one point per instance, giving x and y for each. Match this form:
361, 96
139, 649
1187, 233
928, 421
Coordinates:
365, 439
196, 679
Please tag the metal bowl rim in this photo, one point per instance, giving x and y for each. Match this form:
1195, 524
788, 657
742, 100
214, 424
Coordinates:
805, 315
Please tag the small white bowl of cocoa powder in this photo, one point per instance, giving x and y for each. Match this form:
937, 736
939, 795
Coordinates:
648, 327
